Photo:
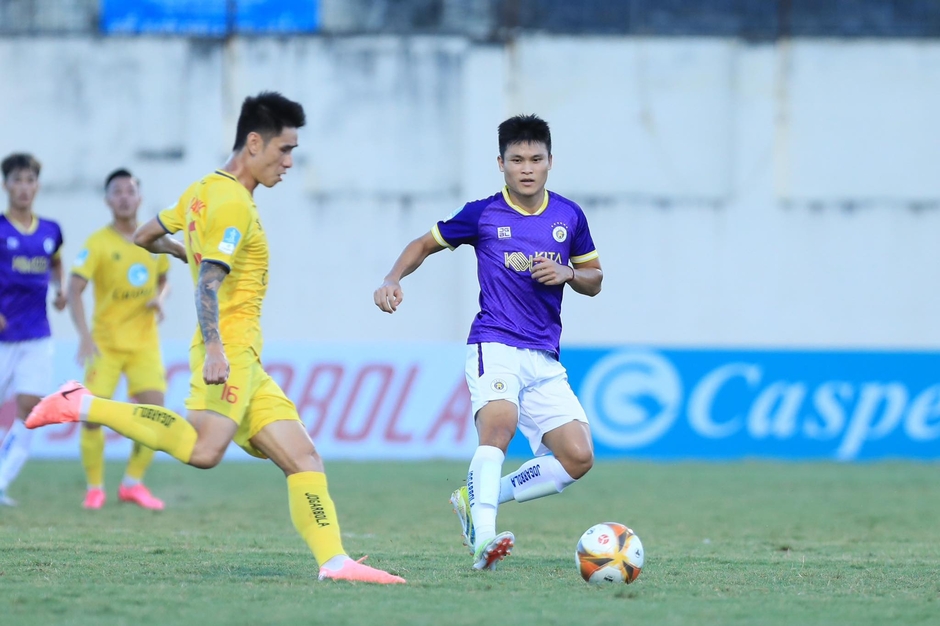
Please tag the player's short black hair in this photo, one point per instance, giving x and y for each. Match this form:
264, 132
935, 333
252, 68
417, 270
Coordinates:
524, 129
267, 114
120, 173
20, 161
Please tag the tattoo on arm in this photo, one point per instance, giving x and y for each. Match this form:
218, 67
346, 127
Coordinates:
211, 276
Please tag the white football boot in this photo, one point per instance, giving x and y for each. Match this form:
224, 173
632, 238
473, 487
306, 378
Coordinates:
460, 500
491, 552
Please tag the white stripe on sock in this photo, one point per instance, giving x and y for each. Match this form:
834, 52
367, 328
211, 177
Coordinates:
85, 407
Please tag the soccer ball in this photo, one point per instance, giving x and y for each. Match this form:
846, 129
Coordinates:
609, 552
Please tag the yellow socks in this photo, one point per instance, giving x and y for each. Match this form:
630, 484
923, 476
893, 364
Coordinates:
314, 514
141, 456
92, 448
153, 426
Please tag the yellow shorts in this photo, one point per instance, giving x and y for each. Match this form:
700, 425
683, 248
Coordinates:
250, 397
143, 369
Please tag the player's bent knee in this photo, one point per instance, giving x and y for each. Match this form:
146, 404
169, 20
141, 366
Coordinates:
203, 458
578, 463
584, 466
288, 445
204, 461
303, 459
214, 433
303, 463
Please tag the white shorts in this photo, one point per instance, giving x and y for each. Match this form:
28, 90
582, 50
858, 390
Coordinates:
25, 368
533, 380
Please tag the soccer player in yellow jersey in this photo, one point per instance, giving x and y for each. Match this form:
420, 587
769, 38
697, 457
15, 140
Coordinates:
130, 285
231, 396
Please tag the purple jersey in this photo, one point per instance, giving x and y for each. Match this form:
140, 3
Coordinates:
25, 266
515, 309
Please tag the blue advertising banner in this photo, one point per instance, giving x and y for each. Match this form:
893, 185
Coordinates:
410, 401
209, 18
171, 17
277, 16
728, 404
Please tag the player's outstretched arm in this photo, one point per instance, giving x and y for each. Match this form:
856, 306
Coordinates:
86, 345
216, 369
153, 237
389, 295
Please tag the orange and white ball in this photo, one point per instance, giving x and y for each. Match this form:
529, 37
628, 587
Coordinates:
609, 552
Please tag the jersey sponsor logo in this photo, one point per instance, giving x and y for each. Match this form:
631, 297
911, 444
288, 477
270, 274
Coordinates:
521, 263
48, 244
30, 265
230, 240
82, 257
503, 232
196, 206
131, 294
12, 243
559, 232
137, 275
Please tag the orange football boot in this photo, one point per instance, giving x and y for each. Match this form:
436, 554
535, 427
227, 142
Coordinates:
60, 407
355, 571
141, 496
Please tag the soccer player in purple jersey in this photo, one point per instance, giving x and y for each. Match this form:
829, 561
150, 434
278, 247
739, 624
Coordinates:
29, 260
529, 244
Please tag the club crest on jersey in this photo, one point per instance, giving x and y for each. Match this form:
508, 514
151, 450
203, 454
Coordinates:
498, 386
137, 275
503, 232
48, 245
230, 240
12, 243
559, 232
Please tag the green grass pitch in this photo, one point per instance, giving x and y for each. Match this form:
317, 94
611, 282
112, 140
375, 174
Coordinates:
736, 543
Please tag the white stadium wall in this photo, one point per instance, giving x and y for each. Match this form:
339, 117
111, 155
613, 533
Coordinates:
739, 195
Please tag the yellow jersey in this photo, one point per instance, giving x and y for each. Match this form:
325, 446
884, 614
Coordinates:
125, 278
221, 224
